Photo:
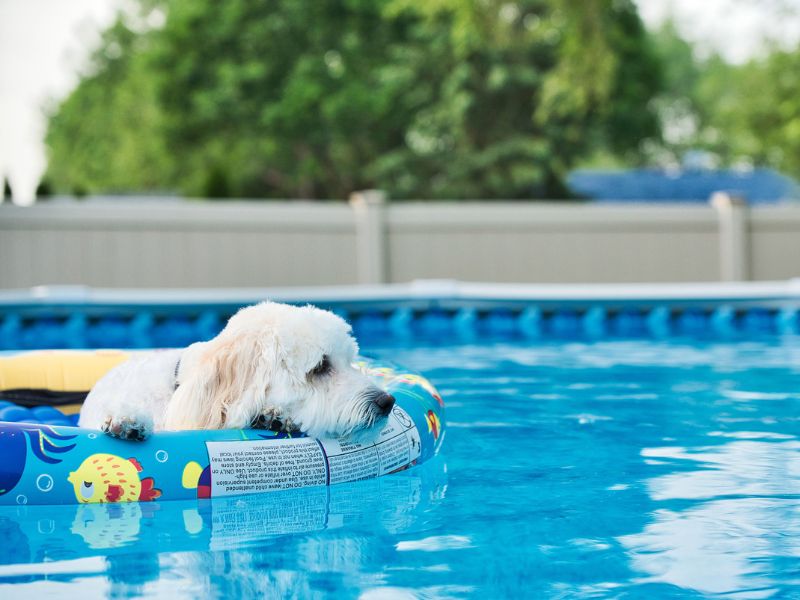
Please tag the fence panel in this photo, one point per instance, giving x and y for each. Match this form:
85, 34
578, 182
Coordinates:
271, 244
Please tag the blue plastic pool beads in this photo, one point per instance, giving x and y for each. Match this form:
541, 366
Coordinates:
145, 328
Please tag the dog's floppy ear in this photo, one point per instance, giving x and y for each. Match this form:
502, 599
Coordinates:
220, 387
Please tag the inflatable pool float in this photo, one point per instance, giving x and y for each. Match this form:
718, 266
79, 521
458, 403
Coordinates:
46, 459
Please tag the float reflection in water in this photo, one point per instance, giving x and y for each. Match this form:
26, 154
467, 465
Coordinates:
404, 503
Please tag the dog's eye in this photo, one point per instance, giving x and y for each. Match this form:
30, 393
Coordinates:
323, 368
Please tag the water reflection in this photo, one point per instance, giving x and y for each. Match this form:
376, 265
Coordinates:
202, 542
727, 521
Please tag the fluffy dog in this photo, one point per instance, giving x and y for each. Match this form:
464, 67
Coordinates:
274, 366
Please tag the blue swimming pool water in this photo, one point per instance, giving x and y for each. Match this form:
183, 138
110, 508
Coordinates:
604, 469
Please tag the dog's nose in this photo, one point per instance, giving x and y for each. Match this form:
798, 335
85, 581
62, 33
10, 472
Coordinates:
384, 402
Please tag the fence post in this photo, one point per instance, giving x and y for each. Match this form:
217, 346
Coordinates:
734, 238
369, 208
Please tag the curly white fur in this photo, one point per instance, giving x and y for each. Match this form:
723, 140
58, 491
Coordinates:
292, 363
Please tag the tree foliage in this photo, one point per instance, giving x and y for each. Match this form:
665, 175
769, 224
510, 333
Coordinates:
105, 136
301, 98
742, 114
756, 110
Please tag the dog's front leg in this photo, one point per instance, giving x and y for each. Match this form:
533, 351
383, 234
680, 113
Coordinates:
126, 401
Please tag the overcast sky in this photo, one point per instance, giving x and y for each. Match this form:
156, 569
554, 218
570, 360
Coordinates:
43, 44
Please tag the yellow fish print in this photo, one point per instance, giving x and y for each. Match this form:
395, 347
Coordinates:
109, 478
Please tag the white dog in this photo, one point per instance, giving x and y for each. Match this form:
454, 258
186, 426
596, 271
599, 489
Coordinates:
274, 366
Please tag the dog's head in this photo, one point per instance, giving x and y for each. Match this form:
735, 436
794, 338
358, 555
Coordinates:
295, 360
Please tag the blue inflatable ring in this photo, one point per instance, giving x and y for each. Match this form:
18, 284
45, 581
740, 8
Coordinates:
48, 461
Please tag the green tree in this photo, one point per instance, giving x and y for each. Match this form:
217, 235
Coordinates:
518, 92
289, 99
105, 136
755, 110
746, 113
302, 98
6, 190
680, 112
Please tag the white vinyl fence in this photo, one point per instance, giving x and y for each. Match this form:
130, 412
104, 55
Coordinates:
131, 244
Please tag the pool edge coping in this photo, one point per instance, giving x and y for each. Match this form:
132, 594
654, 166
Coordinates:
421, 294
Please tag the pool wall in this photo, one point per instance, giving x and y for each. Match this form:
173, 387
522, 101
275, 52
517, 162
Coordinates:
78, 317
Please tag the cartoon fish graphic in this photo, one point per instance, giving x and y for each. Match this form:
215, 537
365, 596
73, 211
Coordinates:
109, 478
434, 425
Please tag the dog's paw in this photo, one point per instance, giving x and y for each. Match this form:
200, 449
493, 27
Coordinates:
271, 419
126, 428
